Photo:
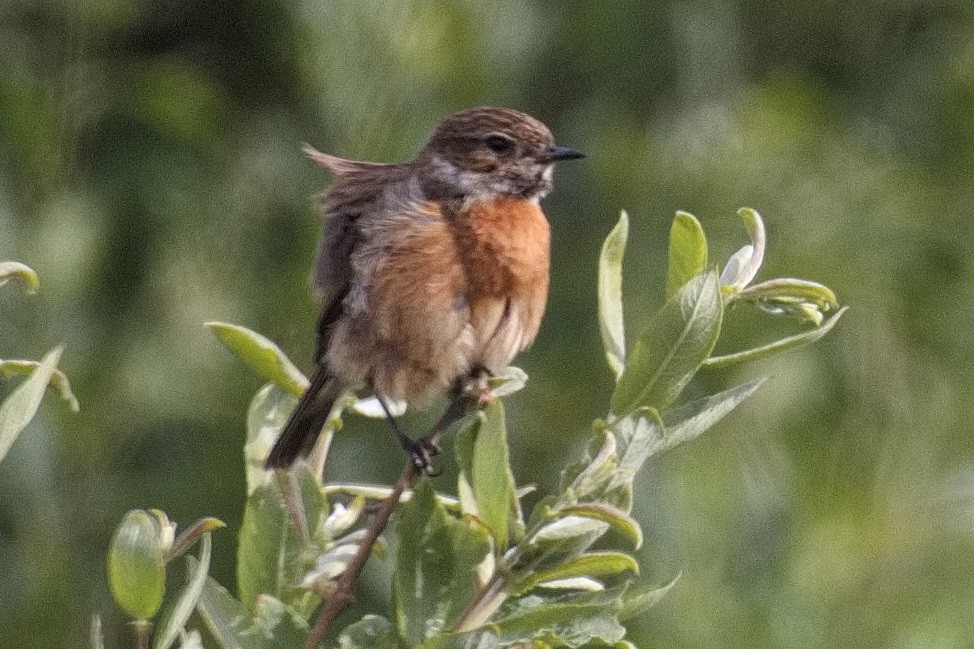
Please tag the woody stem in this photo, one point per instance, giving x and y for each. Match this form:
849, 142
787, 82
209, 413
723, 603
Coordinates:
344, 593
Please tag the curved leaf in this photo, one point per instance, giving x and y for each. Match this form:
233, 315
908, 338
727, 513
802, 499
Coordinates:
687, 254
16, 270
611, 323
791, 342
174, 619
21, 405
671, 349
262, 354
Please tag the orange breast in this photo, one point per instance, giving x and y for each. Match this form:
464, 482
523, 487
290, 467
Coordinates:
505, 248
505, 245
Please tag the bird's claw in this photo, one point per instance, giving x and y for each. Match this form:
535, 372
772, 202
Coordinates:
421, 453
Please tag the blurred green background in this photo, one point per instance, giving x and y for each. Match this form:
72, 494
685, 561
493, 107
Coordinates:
150, 172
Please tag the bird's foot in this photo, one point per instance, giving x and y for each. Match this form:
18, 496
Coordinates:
421, 453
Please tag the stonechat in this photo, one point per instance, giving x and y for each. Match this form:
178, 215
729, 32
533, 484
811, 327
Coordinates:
429, 272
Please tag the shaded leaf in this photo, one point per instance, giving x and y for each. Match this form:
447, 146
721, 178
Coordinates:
635, 603
269, 553
641, 438
268, 412
59, 380
435, 566
20, 405
485, 483
687, 253
174, 618
670, 350
778, 346
262, 354
564, 620
611, 322
371, 632
230, 624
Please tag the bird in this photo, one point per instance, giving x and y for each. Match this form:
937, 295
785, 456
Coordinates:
429, 272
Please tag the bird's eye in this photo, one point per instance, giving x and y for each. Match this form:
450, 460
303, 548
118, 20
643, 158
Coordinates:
499, 144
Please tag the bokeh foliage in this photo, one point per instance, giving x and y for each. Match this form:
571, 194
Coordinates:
150, 172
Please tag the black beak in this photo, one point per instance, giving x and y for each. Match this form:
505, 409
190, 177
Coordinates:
563, 153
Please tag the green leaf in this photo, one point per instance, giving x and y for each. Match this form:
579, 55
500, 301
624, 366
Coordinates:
269, 553
435, 566
230, 624
282, 624
688, 252
671, 349
95, 636
262, 355
174, 618
21, 405
371, 632
591, 564
619, 520
634, 604
508, 381
269, 411
792, 289
137, 564
611, 323
641, 438
15, 270
59, 380
485, 482
564, 620
791, 342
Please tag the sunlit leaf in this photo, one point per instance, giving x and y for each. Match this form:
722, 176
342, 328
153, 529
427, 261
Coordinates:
590, 564
508, 381
611, 323
670, 350
15, 270
262, 354
616, 518
687, 253
435, 566
137, 564
174, 618
21, 404
96, 639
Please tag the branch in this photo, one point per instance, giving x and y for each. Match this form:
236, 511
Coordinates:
344, 593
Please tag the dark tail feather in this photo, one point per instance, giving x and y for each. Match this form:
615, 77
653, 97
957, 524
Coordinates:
302, 429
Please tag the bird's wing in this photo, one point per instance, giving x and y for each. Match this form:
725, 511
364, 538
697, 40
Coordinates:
357, 190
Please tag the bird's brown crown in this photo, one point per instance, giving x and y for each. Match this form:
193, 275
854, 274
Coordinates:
487, 152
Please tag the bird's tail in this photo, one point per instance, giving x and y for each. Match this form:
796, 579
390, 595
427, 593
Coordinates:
302, 429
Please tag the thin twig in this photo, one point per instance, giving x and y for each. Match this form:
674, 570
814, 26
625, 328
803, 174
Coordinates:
344, 593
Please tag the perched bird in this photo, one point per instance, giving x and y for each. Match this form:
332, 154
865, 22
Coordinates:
430, 271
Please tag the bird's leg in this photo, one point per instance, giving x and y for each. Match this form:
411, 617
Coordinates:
421, 452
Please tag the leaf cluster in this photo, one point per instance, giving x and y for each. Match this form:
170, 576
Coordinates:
474, 570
